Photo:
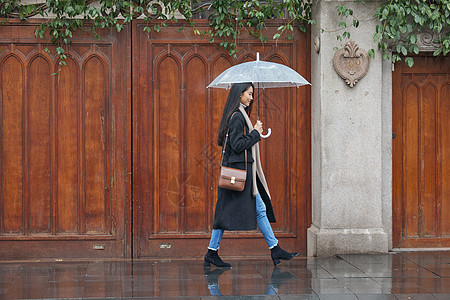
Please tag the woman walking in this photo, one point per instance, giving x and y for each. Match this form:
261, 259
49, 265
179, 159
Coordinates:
243, 210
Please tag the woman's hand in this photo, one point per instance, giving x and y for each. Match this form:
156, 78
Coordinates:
259, 126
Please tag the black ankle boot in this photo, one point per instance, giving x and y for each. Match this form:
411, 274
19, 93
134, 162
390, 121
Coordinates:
212, 257
277, 253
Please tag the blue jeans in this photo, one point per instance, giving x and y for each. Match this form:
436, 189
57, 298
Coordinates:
263, 224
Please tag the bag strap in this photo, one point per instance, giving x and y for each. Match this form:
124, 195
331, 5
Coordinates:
225, 145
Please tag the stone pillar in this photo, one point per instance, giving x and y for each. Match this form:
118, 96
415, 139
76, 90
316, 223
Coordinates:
351, 202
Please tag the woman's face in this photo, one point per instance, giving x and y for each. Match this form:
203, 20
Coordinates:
247, 96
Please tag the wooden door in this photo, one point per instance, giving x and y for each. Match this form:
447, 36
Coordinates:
64, 146
421, 153
176, 157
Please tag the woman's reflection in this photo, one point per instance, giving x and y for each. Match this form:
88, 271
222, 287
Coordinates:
212, 276
276, 280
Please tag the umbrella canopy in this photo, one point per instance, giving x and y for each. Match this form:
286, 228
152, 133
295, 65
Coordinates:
263, 74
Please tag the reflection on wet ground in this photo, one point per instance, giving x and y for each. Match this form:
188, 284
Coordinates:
405, 275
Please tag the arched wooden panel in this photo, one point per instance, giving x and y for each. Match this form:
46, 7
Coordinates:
411, 163
274, 109
39, 149
12, 83
67, 103
196, 132
95, 115
427, 207
169, 176
218, 100
444, 158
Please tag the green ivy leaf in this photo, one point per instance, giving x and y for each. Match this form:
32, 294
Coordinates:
437, 52
376, 37
404, 51
409, 61
414, 48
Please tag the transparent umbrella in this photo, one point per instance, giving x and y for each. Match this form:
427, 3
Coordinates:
262, 74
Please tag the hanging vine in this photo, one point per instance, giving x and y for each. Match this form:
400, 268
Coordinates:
400, 20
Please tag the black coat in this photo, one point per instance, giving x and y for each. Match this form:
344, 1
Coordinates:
237, 210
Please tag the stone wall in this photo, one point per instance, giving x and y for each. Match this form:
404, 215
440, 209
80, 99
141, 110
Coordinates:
351, 141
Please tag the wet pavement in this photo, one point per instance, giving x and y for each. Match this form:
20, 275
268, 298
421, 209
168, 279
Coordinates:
403, 275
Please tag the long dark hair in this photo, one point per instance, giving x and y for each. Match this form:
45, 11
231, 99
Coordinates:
232, 105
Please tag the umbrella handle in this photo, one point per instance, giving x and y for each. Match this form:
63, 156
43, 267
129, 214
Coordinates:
269, 132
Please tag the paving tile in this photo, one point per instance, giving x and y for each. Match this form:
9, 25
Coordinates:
27, 286
371, 265
299, 296
301, 268
375, 297
5, 283
259, 297
440, 286
415, 285
337, 297
358, 259
339, 267
294, 289
103, 289
308, 274
427, 256
329, 286
168, 298
241, 291
441, 270
218, 297
65, 289
415, 297
363, 286
389, 265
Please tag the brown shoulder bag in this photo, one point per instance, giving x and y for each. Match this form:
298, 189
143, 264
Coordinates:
230, 178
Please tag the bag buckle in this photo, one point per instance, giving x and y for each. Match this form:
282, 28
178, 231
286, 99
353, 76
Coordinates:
233, 180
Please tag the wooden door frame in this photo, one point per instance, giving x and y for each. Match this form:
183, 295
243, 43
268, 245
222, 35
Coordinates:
398, 161
142, 156
118, 243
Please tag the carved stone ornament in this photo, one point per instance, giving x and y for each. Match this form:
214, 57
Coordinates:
351, 63
317, 44
425, 40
